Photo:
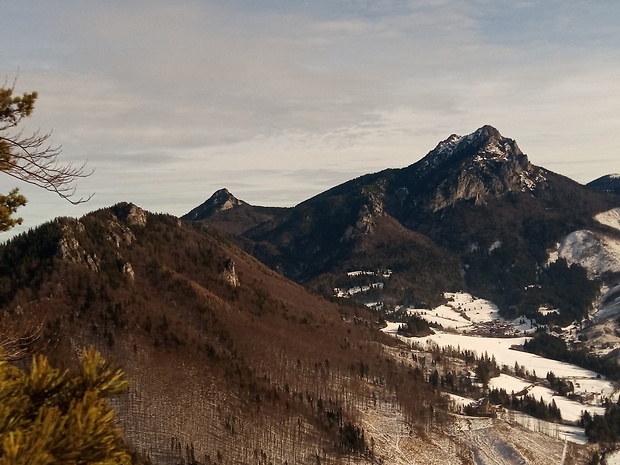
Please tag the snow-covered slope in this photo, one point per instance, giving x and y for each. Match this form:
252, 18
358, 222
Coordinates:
598, 253
609, 304
610, 218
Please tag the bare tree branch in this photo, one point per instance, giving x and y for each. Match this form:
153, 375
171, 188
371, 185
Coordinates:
34, 162
31, 158
19, 348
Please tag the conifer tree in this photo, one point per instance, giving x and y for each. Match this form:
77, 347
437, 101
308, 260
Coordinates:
50, 416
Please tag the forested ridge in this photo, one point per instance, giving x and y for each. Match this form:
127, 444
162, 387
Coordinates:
228, 361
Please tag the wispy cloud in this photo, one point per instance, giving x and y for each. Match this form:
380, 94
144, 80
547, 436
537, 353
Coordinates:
168, 100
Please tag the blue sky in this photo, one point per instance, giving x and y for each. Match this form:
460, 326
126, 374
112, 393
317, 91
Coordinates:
278, 100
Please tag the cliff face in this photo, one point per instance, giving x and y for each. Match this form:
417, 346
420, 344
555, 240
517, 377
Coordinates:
480, 167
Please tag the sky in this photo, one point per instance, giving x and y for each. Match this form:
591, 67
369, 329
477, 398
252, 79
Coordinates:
279, 100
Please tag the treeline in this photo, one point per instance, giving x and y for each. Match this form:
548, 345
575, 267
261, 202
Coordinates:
525, 403
553, 347
515, 276
558, 285
415, 326
25, 258
473, 383
602, 428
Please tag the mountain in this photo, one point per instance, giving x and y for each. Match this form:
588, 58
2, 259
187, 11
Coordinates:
229, 214
473, 214
230, 362
607, 183
221, 352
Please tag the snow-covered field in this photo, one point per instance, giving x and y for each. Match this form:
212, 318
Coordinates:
505, 352
466, 313
555, 430
571, 410
463, 316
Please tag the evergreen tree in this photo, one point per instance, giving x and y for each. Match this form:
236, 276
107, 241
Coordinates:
50, 416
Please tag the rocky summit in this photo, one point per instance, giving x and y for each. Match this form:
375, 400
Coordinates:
477, 167
221, 200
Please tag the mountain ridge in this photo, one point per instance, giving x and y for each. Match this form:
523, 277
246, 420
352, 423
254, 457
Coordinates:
468, 193
230, 214
231, 362
607, 183
251, 370
218, 367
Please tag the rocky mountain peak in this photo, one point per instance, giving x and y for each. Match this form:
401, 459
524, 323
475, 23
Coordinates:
130, 213
221, 200
484, 143
478, 166
487, 132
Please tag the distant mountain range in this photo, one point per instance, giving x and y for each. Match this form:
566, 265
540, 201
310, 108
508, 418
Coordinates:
473, 214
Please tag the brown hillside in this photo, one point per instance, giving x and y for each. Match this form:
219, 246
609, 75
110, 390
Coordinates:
229, 361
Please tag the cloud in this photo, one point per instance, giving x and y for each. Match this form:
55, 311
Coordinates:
168, 101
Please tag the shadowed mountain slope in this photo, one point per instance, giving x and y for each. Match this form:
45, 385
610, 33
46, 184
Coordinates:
473, 214
607, 183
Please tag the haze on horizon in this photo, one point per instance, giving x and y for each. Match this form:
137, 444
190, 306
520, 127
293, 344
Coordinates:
280, 100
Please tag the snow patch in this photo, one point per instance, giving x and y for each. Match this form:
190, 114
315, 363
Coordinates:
598, 254
613, 458
495, 245
546, 310
468, 314
609, 218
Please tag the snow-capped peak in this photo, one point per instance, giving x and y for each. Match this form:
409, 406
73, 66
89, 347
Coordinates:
479, 166
482, 149
485, 140
444, 148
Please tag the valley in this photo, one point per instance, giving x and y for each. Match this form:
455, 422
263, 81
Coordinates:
507, 350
